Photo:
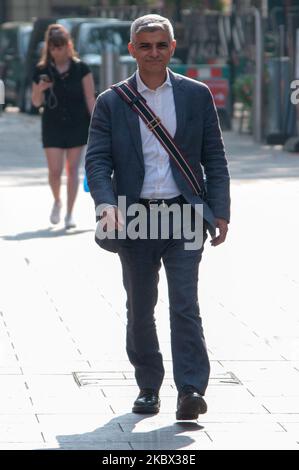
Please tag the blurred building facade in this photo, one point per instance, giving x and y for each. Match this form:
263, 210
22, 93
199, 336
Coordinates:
24, 10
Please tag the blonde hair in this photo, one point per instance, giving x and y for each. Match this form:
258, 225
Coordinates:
56, 35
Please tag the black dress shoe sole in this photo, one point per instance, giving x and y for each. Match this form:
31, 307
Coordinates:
190, 408
146, 410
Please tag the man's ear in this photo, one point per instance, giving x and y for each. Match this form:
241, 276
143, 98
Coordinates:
173, 46
131, 49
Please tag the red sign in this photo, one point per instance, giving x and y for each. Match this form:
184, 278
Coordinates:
219, 89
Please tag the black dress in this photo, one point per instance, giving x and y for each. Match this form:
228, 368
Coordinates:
65, 119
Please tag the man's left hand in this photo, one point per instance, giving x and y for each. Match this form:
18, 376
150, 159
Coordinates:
222, 226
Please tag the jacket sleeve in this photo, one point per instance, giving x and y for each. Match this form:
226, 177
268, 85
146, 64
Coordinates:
215, 163
98, 160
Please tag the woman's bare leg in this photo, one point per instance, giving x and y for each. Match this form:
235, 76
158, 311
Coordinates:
55, 158
73, 159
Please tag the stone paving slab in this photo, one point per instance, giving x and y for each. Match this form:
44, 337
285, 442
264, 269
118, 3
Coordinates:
292, 429
281, 405
58, 394
32, 445
69, 445
53, 367
10, 370
254, 441
246, 352
69, 405
15, 404
262, 370
19, 428
229, 405
274, 388
226, 392
111, 365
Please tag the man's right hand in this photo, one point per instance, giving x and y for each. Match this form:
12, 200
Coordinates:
222, 226
112, 219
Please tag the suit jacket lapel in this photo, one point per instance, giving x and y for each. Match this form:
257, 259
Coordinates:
133, 124
180, 102
133, 119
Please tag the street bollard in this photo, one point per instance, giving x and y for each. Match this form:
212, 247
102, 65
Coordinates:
109, 68
258, 82
292, 144
2, 95
276, 125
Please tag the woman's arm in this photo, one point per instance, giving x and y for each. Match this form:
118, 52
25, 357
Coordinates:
89, 92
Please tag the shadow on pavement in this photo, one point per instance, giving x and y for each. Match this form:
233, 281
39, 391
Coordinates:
44, 233
118, 433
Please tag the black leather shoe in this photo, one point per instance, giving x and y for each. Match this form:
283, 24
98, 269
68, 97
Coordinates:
190, 403
147, 402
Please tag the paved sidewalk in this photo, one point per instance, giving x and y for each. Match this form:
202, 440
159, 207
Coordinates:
65, 379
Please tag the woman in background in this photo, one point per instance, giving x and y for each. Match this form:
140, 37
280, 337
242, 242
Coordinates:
64, 86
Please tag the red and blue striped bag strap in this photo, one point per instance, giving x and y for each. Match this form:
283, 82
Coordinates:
138, 104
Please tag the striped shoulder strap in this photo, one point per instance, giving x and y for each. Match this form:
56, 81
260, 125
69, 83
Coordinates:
138, 104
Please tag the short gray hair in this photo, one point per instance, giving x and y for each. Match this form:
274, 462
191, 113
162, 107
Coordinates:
151, 23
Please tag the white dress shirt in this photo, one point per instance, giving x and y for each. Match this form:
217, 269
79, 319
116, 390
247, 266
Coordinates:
158, 181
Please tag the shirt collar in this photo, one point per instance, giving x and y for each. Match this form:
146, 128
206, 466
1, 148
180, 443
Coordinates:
142, 87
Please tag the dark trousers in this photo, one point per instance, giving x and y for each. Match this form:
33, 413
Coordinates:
141, 261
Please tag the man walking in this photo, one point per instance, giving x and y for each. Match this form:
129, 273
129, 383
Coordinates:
153, 139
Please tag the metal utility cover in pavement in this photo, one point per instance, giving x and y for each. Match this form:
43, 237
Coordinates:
97, 379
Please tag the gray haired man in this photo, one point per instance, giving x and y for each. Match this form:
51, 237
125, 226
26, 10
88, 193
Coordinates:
124, 158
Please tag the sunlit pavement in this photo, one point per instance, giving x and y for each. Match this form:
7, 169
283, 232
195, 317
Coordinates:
64, 375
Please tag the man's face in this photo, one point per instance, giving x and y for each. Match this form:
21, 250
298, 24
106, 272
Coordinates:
152, 50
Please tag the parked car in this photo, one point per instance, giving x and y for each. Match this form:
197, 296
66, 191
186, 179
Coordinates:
14, 40
91, 39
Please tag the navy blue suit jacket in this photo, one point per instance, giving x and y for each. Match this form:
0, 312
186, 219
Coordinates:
114, 159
